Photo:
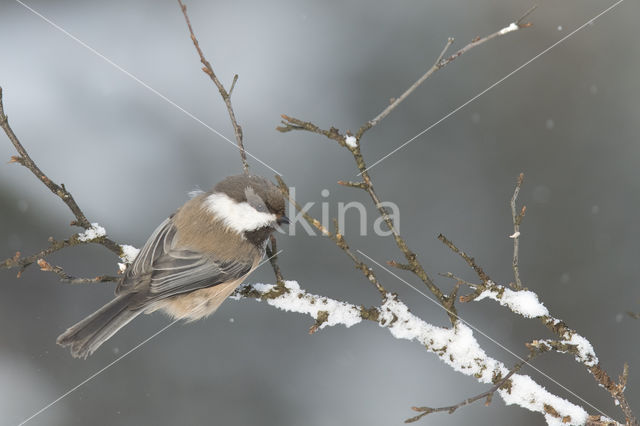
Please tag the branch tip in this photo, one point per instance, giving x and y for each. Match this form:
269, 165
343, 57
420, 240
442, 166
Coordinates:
233, 84
524, 16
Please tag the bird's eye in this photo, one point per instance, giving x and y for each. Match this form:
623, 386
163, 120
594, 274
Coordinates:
261, 208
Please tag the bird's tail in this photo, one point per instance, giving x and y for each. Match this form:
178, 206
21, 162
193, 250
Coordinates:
87, 335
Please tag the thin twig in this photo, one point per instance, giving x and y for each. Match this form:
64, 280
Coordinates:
360, 185
484, 395
17, 261
470, 260
226, 96
66, 278
291, 123
397, 101
441, 63
517, 219
403, 266
616, 390
514, 26
25, 159
233, 84
272, 254
337, 238
459, 280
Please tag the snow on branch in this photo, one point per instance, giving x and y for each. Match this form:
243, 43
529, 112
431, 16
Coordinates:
93, 233
526, 303
456, 346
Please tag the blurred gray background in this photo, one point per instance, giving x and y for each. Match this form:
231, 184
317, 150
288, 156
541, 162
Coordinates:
569, 120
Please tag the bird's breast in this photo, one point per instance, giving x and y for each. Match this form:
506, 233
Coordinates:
198, 303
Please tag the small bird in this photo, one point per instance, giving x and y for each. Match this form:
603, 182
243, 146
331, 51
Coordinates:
192, 262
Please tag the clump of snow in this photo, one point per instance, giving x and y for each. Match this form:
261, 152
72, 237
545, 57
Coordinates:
263, 288
515, 234
96, 231
129, 254
351, 141
512, 27
298, 300
586, 353
260, 288
455, 346
526, 303
528, 394
523, 302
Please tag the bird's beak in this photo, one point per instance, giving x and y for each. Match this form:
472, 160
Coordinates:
283, 219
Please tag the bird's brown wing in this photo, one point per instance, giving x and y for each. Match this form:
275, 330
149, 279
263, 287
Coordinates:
162, 269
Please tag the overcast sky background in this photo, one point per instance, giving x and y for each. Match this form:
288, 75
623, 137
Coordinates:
569, 120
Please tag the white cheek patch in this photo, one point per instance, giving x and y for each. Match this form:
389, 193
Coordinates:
240, 217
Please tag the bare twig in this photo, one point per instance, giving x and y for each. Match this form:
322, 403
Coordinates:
470, 260
291, 123
616, 390
517, 219
488, 395
403, 266
337, 238
272, 251
397, 101
360, 185
25, 159
459, 280
64, 277
441, 63
233, 84
226, 96
17, 261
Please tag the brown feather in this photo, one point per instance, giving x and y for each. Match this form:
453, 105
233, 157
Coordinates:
200, 231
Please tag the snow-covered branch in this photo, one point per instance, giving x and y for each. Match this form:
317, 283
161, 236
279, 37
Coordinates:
526, 304
456, 346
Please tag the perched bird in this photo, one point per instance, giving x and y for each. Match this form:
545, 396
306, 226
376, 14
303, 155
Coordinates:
192, 262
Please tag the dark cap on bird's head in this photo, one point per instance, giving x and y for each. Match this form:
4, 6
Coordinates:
256, 191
